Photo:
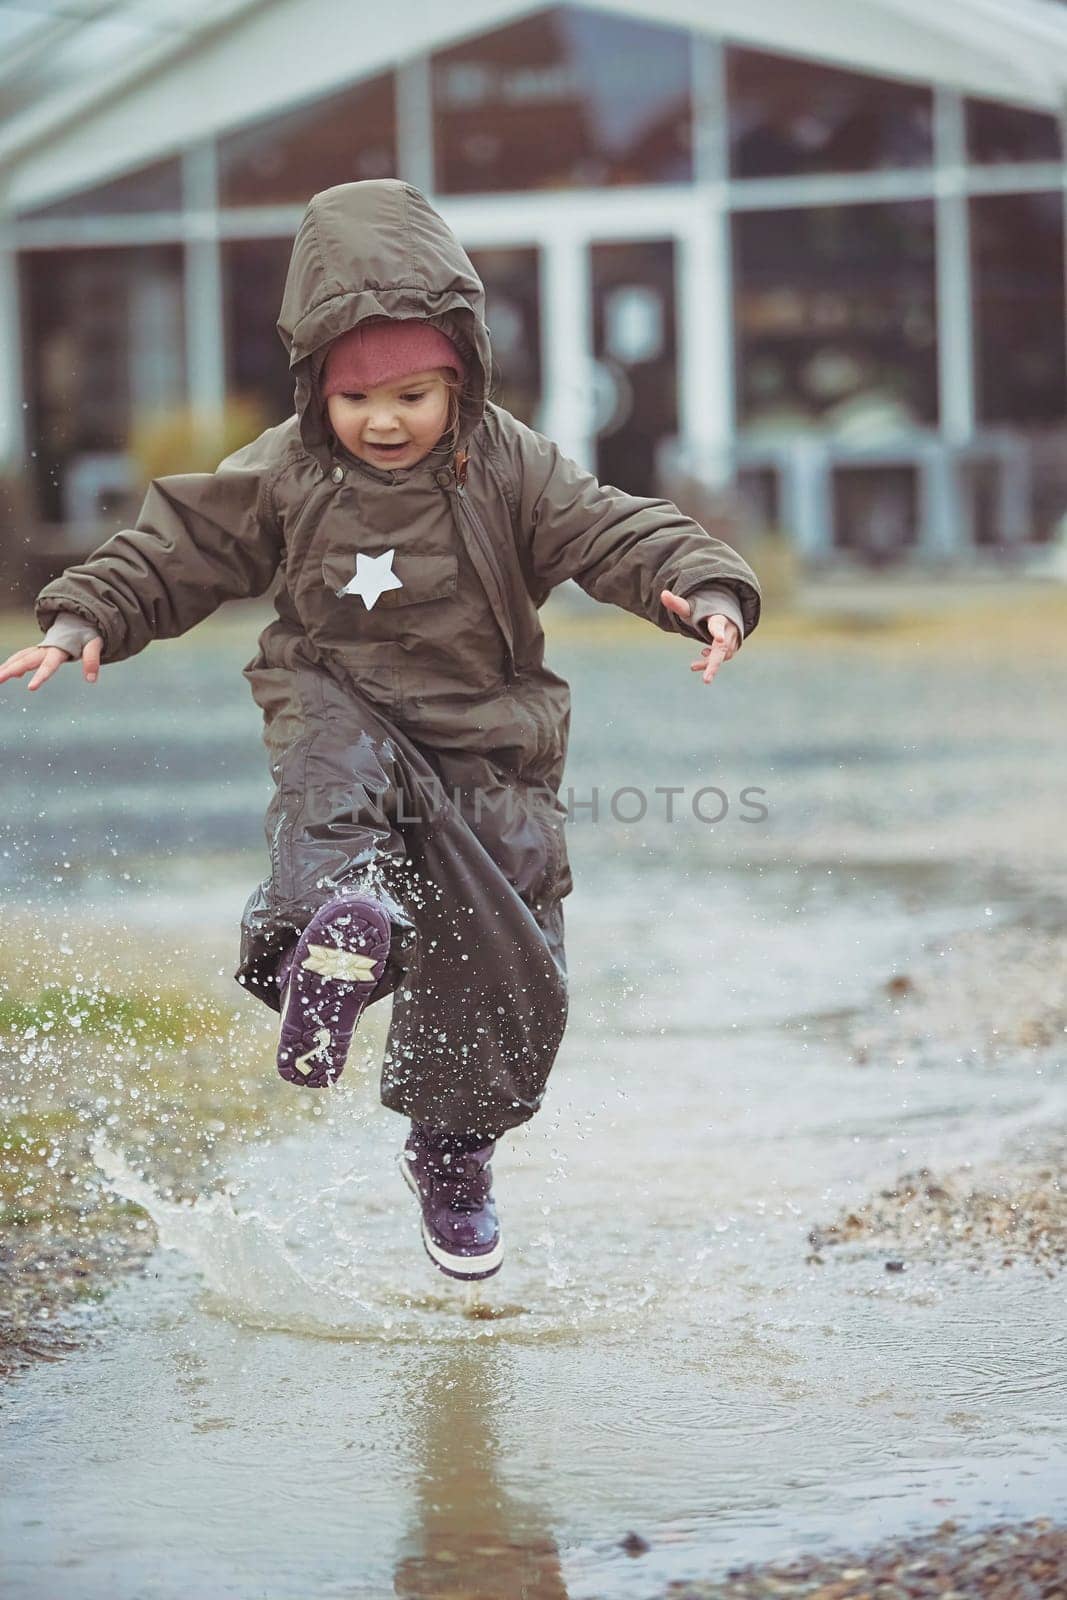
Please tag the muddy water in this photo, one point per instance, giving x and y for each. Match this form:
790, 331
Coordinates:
290, 1402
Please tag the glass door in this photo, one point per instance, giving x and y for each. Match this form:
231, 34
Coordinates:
635, 400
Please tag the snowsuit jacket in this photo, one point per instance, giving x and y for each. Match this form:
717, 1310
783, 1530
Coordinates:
443, 676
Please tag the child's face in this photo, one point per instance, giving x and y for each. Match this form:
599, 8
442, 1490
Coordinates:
394, 424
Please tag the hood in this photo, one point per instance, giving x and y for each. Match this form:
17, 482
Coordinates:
378, 249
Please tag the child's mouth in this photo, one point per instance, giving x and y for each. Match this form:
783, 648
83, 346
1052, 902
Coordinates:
389, 449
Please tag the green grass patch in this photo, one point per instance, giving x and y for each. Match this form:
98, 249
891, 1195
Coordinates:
25, 1132
134, 1019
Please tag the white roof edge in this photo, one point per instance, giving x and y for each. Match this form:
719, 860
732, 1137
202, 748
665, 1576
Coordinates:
1011, 50
237, 67
38, 123
226, 75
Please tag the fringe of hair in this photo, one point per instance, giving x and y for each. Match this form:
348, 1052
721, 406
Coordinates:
448, 443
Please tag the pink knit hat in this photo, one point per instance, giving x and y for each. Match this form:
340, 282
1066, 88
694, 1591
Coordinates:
380, 352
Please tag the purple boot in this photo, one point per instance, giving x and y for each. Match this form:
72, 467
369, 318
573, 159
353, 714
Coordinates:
326, 981
455, 1190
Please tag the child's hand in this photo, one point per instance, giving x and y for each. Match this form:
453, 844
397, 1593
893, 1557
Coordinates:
44, 660
725, 636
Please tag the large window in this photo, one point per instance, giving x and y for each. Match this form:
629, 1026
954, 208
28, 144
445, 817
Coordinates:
635, 347
287, 158
154, 188
1010, 133
1018, 274
835, 318
257, 366
788, 116
561, 99
105, 329
513, 312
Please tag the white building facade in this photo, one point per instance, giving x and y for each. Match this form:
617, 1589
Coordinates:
817, 251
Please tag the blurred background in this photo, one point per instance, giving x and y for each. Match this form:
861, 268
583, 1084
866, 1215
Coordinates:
798, 267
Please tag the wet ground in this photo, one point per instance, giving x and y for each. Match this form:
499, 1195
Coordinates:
785, 1245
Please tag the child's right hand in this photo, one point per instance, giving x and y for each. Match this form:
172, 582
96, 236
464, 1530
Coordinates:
44, 660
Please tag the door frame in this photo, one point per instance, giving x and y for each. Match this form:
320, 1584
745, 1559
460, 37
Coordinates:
563, 227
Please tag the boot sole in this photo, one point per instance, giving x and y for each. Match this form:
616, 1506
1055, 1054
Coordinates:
338, 963
486, 1266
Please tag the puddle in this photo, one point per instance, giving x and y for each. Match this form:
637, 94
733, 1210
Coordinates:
291, 1402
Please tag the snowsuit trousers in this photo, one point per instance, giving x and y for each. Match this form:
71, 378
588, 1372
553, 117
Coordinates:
465, 866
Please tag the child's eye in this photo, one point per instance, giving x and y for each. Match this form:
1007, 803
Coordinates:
355, 395
421, 395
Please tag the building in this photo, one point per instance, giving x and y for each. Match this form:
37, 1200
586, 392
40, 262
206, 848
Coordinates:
812, 246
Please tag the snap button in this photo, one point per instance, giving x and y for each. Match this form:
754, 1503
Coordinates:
338, 474
443, 477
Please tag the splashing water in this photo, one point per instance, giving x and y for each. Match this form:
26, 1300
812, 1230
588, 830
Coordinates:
242, 1257
340, 1257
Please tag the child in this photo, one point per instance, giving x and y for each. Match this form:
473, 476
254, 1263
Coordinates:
416, 738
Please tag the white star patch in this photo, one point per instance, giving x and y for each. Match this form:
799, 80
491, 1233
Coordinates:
373, 576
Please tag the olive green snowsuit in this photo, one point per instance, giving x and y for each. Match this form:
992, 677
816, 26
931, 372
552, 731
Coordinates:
417, 746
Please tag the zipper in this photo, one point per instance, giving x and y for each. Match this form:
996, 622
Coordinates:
497, 597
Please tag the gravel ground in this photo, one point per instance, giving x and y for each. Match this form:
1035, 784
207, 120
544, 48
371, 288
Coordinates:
991, 998
988, 999
1005, 1217
46, 1281
1023, 1562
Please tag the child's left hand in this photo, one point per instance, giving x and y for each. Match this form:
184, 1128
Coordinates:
725, 636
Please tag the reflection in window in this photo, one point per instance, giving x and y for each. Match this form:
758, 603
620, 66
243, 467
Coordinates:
513, 312
105, 351
876, 510
561, 99
1010, 133
1017, 266
287, 158
789, 116
636, 397
835, 319
154, 188
257, 366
